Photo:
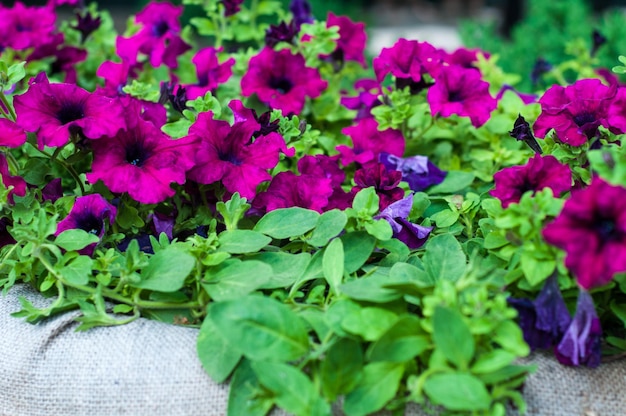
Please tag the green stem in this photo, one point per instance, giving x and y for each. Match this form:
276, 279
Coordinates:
69, 168
8, 105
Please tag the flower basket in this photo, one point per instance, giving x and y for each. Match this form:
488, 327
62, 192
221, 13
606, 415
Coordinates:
278, 224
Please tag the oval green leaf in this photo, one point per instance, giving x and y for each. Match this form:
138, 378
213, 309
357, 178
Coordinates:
287, 222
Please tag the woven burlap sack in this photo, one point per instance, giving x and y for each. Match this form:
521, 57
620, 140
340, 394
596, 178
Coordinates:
150, 368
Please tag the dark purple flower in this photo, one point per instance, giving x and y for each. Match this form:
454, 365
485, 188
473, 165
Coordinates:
575, 112
521, 131
5, 237
290, 190
327, 167
352, 39
461, 91
163, 223
282, 80
384, 181
242, 114
283, 32
367, 99
86, 24
397, 214
209, 71
597, 40
541, 67
17, 182
231, 7
175, 94
89, 214
582, 341
368, 142
419, 172
301, 10
540, 172
53, 190
591, 228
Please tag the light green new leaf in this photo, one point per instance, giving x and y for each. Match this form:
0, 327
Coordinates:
287, 222
236, 279
333, 263
369, 322
217, 356
167, 270
453, 337
77, 271
75, 239
378, 386
261, 327
458, 391
444, 258
242, 241
358, 247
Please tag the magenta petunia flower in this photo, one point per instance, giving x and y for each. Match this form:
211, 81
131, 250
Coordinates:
352, 39
581, 344
408, 61
616, 115
327, 167
369, 91
27, 27
384, 181
461, 91
209, 71
17, 182
368, 142
540, 172
141, 161
228, 153
591, 228
89, 214
301, 10
575, 112
417, 171
11, 135
290, 190
159, 37
464, 57
282, 80
54, 111
397, 214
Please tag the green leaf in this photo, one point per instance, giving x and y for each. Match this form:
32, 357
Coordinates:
379, 229
400, 343
358, 247
244, 396
509, 335
405, 273
454, 181
378, 386
286, 267
242, 241
293, 390
444, 258
369, 322
371, 288
492, 361
217, 356
452, 336
341, 367
261, 327
445, 218
287, 222
166, 270
75, 239
457, 391
366, 200
77, 271
536, 270
333, 263
329, 225
232, 280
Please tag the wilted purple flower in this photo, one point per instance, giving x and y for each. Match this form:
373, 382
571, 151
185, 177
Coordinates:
597, 40
521, 131
89, 214
582, 340
397, 214
86, 24
540, 172
541, 67
301, 10
417, 171
591, 228
176, 95
283, 32
231, 7
242, 114
5, 237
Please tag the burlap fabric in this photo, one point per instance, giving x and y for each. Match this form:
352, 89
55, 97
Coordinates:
151, 368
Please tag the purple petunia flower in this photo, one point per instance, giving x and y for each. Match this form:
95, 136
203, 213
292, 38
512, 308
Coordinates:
228, 153
159, 37
384, 181
545, 320
231, 7
540, 172
17, 182
209, 71
368, 142
88, 214
581, 343
283, 32
408, 61
575, 112
397, 214
301, 10
27, 27
11, 135
591, 228
352, 39
461, 91
5, 237
53, 190
464, 57
55, 111
282, 80
541, 67
327, 167
142, 161
419, 172
367, 99
290, 190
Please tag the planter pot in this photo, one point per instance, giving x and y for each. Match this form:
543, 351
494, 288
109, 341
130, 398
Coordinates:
148, 367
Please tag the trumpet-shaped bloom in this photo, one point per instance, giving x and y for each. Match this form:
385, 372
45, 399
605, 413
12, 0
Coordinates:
209, 71
540, 172
327, 167
142, 161
591, 228
11, 135
581, 343
521, 131
54, 111
368, 142
290, 190
229, 154
89, 214
282, 80
461, 91
384, 181
575, 112
352, 39
17, 182
27, 27
366, 100
397, 214
417, 171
